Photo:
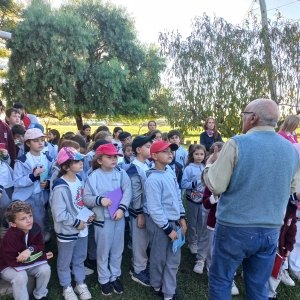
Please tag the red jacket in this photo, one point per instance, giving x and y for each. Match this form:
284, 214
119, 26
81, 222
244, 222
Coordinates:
14, 242
211, 218
287, 237
7, 138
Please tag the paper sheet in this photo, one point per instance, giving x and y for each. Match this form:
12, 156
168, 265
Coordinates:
84, 214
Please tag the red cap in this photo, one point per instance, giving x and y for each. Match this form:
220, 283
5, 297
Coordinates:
107, 149
162, 145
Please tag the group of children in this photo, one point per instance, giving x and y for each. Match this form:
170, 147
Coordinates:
90, 185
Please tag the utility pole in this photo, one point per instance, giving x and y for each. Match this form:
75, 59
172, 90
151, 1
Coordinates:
267, 47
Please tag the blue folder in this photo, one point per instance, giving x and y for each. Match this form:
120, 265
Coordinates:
179, 242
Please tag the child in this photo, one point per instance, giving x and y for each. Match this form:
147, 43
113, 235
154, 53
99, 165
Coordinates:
128, 156
72, 233
157, 135
81, 141
54, 138
12, 117
194, 192
23, 239
6, 175
116, 140
140, 240
28, 172
109, 231
18, 132
124, 137
181, 154
48, 148
287, 239
167, 215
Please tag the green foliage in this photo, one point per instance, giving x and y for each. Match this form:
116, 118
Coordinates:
79, 60
220, 68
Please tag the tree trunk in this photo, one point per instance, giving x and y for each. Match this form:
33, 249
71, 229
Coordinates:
267, 47
78, 119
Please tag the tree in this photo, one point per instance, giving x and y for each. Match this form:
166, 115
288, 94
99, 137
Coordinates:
219, 68
81, 59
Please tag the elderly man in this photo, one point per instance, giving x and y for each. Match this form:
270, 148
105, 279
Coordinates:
254, 173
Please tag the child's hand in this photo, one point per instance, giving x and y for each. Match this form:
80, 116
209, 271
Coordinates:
106, 202
23, 256
44, 184
4, 152
38, 171
118, 215
91, 218
183, 226
287, 252
173, 235
49, 255
213, 157
81, 226
141, 221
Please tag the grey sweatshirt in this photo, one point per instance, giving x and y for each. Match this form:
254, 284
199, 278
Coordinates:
163, 195
98, 184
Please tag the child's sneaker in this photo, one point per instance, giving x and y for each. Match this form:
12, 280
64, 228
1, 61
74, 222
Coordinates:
193, 248
106, 289
141, 278
286, 279
199, 267
82, 290
295, 275
69, 294
158, 293
131, 271
234, 289
117, 285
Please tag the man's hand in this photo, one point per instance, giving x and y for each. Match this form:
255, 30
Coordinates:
106, 202
213, 157
183, 226
23, 256
173, 235
118, 215
49, 255
141, 221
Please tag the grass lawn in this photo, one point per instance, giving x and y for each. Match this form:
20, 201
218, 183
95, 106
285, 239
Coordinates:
192, 286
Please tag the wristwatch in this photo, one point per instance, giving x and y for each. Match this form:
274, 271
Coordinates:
31, 249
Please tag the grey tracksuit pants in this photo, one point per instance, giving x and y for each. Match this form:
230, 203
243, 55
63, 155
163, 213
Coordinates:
71, 253
140, 242
202, 237
163, 262
194, 215
110, 246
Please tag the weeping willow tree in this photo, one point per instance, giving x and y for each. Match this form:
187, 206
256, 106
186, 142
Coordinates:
220, 68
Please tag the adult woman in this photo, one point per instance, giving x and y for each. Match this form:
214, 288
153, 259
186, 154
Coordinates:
211, 134
151, 127
86, 133
288, 127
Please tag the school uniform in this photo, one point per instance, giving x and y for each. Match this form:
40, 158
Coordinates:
181, 156
27, 186
66, 203
109, 234
165, 210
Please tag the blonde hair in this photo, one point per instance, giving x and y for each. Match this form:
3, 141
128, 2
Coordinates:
290, 123
101, 135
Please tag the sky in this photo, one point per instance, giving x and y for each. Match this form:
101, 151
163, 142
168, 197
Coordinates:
154, 16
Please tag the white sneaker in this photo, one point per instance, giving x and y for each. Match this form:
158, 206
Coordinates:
295, 275
193, 248
82, 290
69, 294
234, 289
87, 271
199, 267
286, 279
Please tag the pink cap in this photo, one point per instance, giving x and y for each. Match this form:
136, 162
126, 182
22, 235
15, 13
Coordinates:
32, 134
67, 153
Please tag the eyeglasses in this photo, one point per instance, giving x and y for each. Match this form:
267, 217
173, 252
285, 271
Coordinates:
166, 152
247, 112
